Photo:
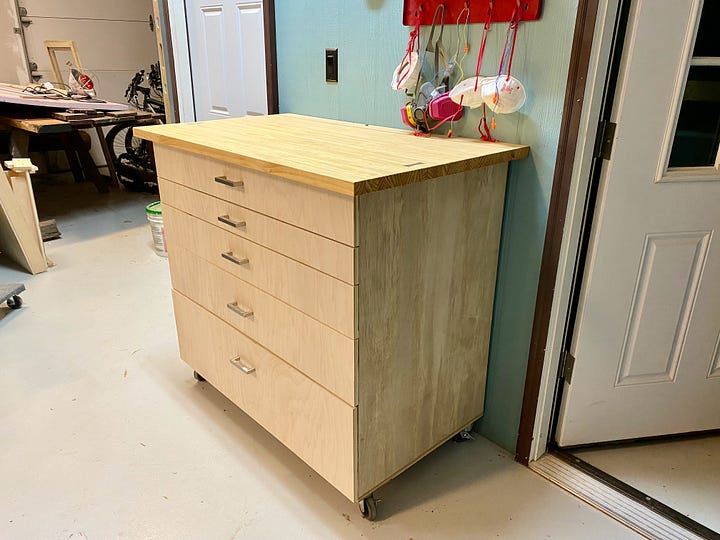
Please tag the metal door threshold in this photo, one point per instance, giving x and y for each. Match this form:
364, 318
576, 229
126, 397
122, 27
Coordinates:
611, 500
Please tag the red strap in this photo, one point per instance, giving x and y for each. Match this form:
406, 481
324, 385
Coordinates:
481, 51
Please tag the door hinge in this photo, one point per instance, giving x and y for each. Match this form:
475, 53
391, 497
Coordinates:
567, 366
605, 139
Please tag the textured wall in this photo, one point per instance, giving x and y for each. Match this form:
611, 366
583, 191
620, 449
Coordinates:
371, 41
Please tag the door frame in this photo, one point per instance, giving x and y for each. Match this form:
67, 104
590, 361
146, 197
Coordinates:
594, 63
177, 17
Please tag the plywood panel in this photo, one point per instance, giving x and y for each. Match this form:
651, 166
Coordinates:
310, 421
321, 253
321, 353
18, 239
427, 261
323, 212
320, 296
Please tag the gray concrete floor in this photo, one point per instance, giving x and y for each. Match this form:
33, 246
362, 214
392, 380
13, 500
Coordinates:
105, 434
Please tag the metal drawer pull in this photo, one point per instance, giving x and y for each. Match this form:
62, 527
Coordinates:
233, 306
233, 259
238, 363
232, 183
227, 220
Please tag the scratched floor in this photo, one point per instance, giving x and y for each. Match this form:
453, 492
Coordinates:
105, 434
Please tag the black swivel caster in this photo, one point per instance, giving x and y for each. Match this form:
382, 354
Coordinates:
14, 302
198, 377
368, 508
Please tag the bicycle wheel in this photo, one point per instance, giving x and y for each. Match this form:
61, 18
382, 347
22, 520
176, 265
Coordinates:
133, 163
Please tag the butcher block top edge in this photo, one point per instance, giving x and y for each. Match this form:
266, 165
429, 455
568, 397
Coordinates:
343, 157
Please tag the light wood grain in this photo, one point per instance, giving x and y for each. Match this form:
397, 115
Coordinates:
318, 295
347, 158
310, 421
424, 315
18, 237
322, 212
326, 255
321, 353
35, 125
25, 199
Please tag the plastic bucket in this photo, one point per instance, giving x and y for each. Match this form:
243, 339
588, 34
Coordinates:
154, 216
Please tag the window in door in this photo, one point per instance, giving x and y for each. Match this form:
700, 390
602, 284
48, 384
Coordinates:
697, 131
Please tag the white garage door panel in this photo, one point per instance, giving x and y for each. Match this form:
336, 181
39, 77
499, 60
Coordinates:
106, 45
250, 22
125, 10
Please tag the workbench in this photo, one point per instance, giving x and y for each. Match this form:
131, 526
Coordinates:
336, 281
24, 122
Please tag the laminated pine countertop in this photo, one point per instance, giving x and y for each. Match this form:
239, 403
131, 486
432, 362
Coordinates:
343, 157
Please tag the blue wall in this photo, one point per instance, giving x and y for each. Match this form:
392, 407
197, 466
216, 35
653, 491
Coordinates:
371, 41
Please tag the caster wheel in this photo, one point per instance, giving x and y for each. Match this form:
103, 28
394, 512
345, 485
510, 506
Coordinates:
368, 508
14, 302
198, 377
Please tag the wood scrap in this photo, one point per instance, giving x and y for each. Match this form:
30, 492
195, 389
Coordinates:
49, 230
20, 236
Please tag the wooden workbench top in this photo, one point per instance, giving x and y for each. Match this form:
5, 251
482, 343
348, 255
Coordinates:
347, 158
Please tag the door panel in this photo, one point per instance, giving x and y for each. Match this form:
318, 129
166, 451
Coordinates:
661, 308
646, 337
214, 63
227, 50
252, 35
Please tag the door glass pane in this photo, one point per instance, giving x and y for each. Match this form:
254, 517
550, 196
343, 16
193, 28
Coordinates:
708, 42
697, 134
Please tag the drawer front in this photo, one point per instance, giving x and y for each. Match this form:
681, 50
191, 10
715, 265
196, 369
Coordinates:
326, 255
323, 212
310, 421
318, 295
323, 354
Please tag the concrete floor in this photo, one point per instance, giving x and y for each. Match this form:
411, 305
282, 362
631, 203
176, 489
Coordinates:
684, 474
105, 434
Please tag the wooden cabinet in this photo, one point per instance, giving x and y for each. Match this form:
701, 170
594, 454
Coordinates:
336, 281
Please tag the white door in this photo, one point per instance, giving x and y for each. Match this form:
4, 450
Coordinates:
227, 54
647, 339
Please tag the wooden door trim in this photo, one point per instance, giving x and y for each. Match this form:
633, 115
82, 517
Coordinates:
580, 55
170, 67
271, 75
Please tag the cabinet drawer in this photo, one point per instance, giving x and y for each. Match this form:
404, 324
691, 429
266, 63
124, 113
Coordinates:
310, 421
323, 354
322, 212
323, 297
326, 255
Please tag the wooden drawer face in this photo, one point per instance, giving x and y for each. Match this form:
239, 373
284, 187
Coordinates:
323, 297
323, 354
326, 255
326, 213
310, 421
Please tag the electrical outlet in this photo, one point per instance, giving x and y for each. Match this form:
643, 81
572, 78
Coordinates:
331, 65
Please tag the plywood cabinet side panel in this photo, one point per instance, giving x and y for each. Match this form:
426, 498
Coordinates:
427, 260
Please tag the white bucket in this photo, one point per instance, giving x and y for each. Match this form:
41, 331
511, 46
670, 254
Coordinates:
154, 216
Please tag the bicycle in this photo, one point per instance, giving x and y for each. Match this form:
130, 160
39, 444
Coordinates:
131, 156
